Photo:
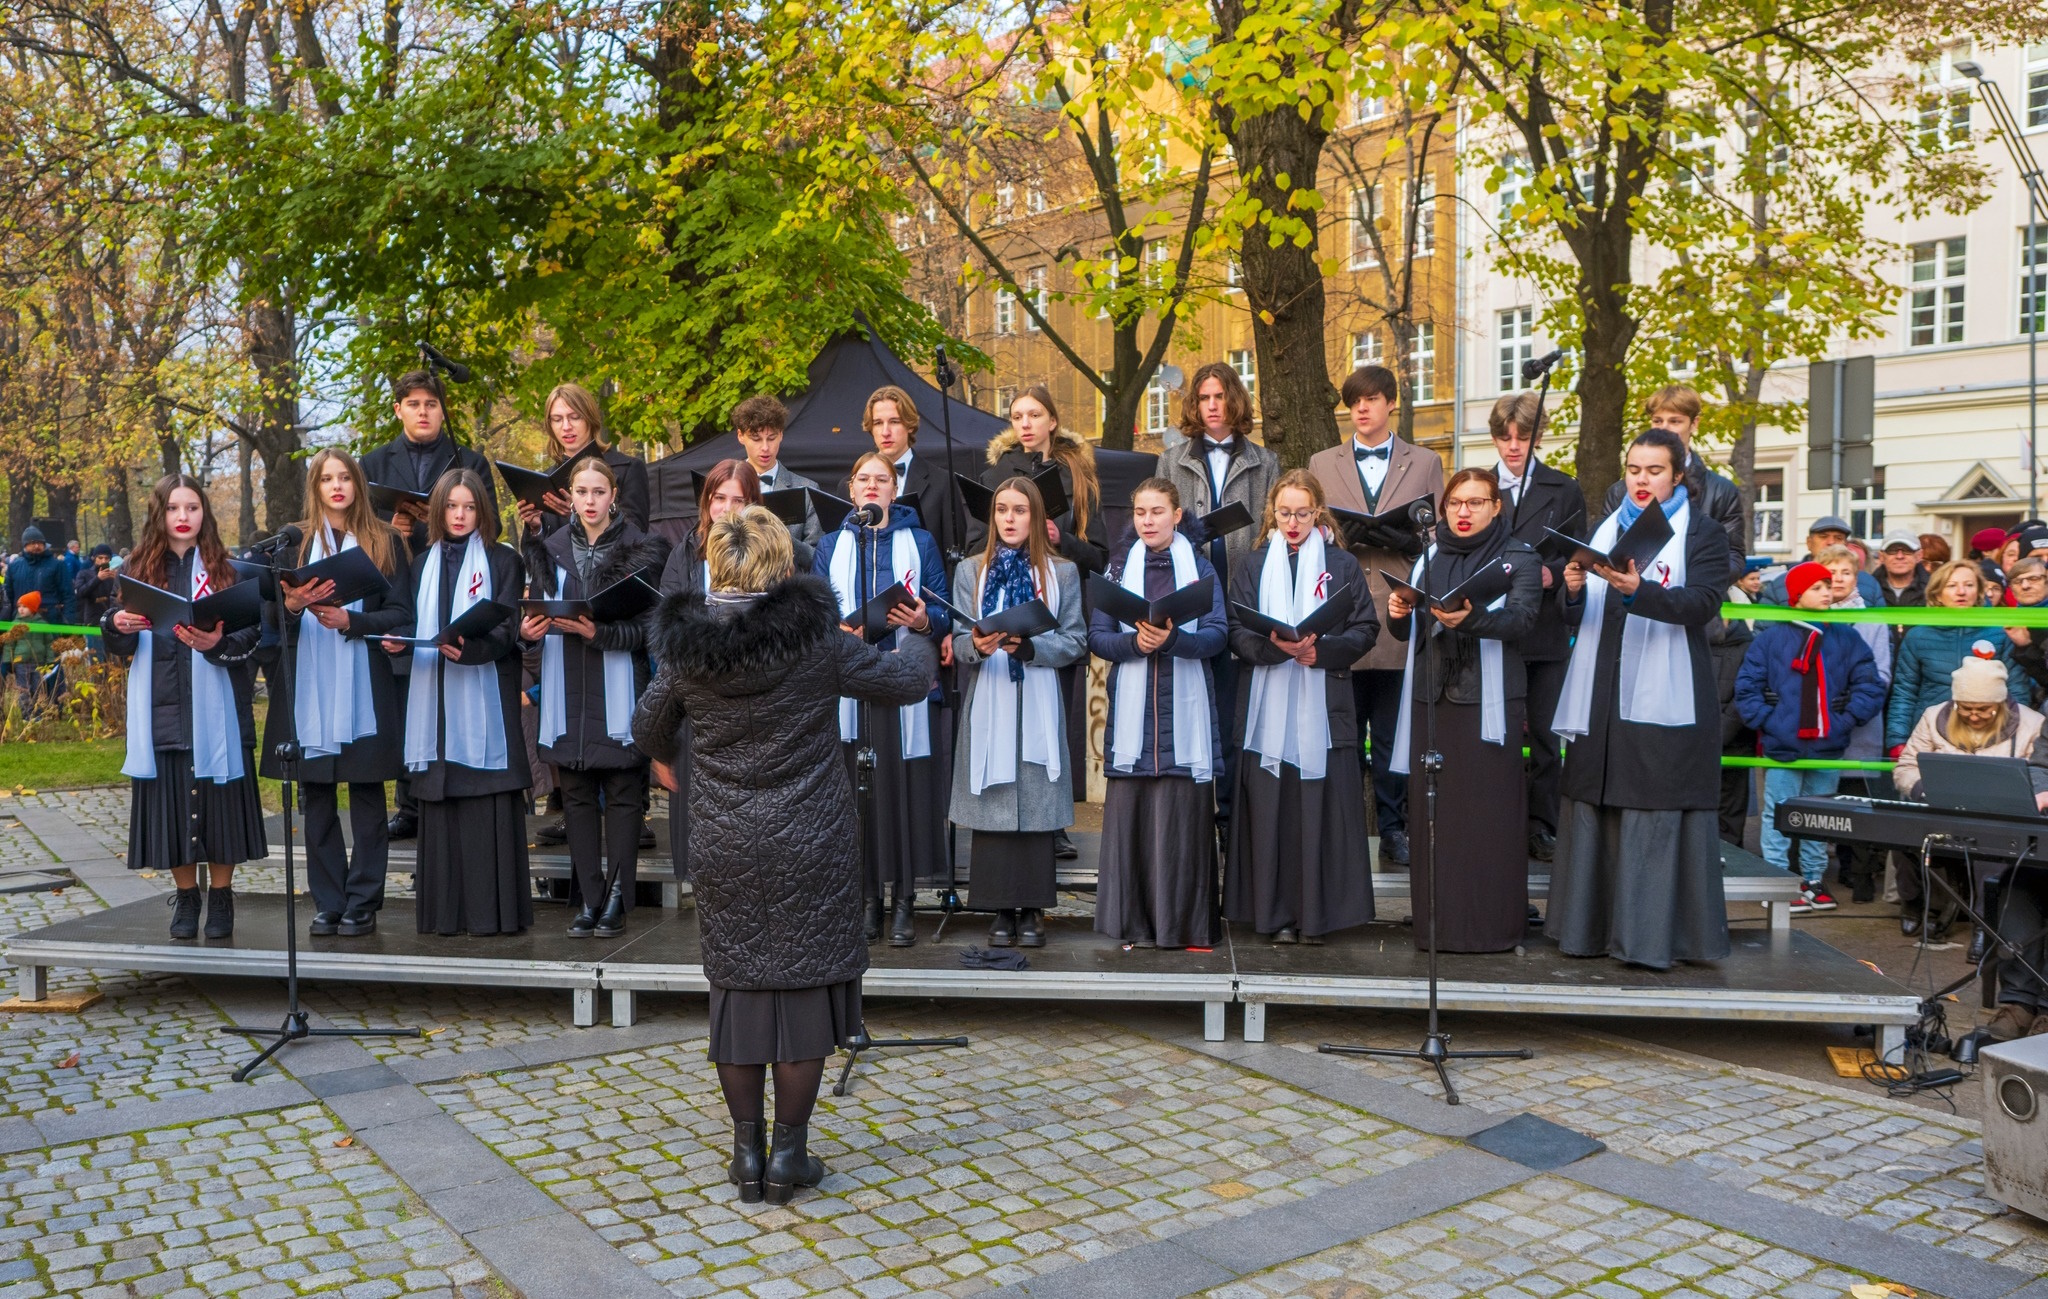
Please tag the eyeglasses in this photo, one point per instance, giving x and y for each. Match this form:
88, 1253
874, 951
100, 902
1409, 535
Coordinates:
2031, 579
1295, 516
1467, 506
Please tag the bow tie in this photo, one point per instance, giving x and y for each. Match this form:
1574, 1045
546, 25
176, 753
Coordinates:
1385, 451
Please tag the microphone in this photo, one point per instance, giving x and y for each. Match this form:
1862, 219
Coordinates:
1533, 370
283, 539
1420, 515
870, 514
943, 371
456, 371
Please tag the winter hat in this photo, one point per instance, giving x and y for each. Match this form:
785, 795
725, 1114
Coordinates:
31, 535
1987, 540
1980, 678
31, 602
1802, 578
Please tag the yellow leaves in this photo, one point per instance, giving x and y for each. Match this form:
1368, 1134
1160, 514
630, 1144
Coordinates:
1265, 317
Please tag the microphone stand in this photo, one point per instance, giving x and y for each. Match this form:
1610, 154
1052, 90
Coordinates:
949, 898
294, 1028
1436, 1043
864, 809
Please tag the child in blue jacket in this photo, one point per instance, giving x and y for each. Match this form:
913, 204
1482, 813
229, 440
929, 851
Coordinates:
1804, 687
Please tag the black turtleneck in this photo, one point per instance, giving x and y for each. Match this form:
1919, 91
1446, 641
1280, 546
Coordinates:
421, 455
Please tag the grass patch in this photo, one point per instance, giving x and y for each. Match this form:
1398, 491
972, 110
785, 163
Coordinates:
62, 764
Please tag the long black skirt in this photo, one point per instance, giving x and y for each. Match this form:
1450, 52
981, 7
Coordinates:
1012, 870
1074, 695
769, 1027
1639, 885
472, 876
180, 820
1482, 857
1298, 848
906, 844
1157, 878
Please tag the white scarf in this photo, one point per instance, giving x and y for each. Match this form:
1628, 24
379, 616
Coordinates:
1656, 659
1191, 710
618, 687
475, 715
915, 723
216, 730
1288, 719
332, 703
998, 702
1493, 714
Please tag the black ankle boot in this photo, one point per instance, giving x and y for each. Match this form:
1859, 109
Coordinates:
613, 922
585, 922
1002, 931
790, 1165
1031, 928
1979, 941
903, 923
749, 1159
185, 913
220, 913
873, 925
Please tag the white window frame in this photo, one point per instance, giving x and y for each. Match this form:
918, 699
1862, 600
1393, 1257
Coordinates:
1158, 263
1516, 173
1005, 204
1365, 208
1422, 363
1034, 289
1945, 123
1867, 508
1246, 363
1765, 511
1367, 108
2034, 89
1425, 215
1693, 149
1034, 200
2033, 285
1934, 299
1368, 348
1158, 406
1005, 312
1517, 327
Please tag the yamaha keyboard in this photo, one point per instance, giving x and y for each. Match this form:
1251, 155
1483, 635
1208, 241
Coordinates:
1889, 823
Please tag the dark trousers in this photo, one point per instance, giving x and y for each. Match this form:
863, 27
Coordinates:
1546, 760
1735, 792
406, 802
1226, 674
1377, 695
341, 882
2022, 919
610, 833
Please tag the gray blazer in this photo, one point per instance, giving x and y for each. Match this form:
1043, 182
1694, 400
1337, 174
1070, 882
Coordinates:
1253, 471
785, 479
1032, 804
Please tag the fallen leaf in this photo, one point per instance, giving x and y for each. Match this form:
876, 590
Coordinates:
69, 1061
150, 875
344, 1143
433, 1032
1896, 1288
1869, 1292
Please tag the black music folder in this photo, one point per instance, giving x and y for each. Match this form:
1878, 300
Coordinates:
1327, 617
1028, 619
787, 504
532, 485
627, 598
353, 573
1479, 589
981, 499
1180, 608
476, 620
1223, 522
388, 499
1641, 542
231, 608
873, 617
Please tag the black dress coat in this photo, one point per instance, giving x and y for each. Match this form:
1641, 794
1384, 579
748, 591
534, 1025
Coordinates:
1335, 652
1458, 677
1088, 549
170, 714
499, 647
1550, 499
778, 886
585, 744
379, 756
1630, 764
633, 496
940, 511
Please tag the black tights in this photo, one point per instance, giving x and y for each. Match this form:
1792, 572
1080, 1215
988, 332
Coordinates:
796, 1090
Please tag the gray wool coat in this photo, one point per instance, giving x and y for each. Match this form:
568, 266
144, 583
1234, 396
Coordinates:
1032, 804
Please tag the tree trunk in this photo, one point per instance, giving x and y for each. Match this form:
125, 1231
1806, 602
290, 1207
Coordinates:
1603, 383
272, 339
62, 504
245, 523
21, 505
120, 516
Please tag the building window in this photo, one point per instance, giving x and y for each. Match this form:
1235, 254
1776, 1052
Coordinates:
1367, 108
1158, 270
1006, 312
1034, 200
2034, 281
1514, 183
1365, 208
2037, 85
1517, 344
1866, 514
1367, 349
1424, 191
1006, 204
1247, 368
1693, 150
1004, 396
1768, 513
1934, 306
1233, 273
1422, 363
1034, 290
1945, 94
1158, 407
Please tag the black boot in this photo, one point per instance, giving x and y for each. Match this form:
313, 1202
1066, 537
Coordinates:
612, 922
790, 1165
873, 925
1979, 941
1063, 846
220, 913
185, 912
1031, 928
749, 1160
903, 921
585, 923
1003, 931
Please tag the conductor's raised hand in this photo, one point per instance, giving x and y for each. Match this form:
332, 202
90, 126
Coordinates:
1150, 638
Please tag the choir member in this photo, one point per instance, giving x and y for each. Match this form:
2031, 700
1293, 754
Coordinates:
462, 724
1034, 441
1466, 661
192, 777
891, 419
1298, 866
343, 708
906, 837
1376, 472
759, 423
1157, 879
763, 668
1638, 870
1013, 781
591, 673
574, 421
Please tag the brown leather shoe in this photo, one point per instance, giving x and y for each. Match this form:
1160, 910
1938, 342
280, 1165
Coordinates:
2011, 1022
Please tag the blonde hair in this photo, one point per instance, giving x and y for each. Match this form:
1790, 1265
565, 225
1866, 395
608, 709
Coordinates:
596, 465
1304, 481
578, 399
748, 550
906, 409
1829, 556
1674, 397
1937, 581
1970, 738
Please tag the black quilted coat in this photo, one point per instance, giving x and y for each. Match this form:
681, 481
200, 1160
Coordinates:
773, 852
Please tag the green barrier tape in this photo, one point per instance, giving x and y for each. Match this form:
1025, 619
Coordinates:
1808, 764
1979, 616
51, 628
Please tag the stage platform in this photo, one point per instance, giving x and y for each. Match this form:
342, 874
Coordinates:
1772, 975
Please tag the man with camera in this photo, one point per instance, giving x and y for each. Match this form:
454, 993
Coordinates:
1374, 473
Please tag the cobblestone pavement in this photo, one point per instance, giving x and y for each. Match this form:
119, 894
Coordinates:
265, 1204
1051, 1140
1549, 1237
453, 1020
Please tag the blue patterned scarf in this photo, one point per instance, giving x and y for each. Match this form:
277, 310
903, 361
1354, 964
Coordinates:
1009, 584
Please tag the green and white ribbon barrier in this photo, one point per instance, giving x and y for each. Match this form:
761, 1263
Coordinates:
51, 628
1807, 764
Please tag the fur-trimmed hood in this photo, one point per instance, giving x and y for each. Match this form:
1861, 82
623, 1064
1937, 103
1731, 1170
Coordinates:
632, 552
1007, 441
747, 647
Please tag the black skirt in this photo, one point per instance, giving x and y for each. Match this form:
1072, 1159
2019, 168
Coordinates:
1482, 857
1157, 878
906, 845
1011, 870
472, 876
770, 1027
1298, 848
180, 820
1641, 885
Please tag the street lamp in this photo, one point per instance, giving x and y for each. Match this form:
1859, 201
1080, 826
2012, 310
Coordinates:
2034, 290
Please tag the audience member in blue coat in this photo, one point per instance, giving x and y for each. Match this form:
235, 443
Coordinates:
1928, 656
1804, 687
1163, 746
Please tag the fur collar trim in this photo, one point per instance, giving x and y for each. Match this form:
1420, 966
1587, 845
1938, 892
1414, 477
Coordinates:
777, 629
